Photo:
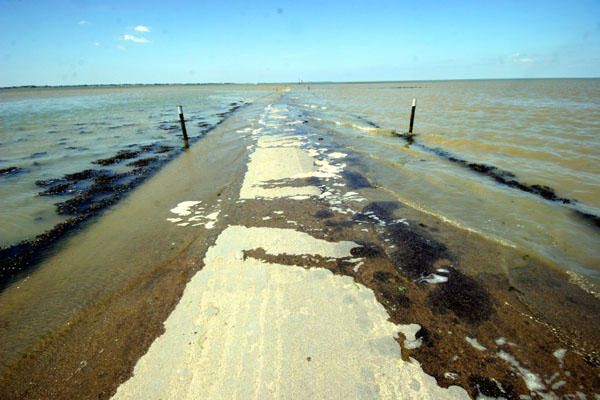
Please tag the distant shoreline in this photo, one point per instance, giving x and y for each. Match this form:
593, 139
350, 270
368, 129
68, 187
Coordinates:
108, 85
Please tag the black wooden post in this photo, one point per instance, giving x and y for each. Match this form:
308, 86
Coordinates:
183, 130
412, 116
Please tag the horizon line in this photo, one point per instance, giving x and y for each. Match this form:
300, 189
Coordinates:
277, 83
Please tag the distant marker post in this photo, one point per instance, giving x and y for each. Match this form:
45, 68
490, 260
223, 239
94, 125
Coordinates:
183, 130
412, 115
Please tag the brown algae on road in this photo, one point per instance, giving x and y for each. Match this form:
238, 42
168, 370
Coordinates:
303, 287
245, 327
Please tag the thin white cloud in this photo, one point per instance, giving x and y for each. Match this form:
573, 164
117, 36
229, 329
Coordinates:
134, 39
83, 22
520, 59
120, 47
142, 28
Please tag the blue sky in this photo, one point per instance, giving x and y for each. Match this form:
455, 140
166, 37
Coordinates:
87, 42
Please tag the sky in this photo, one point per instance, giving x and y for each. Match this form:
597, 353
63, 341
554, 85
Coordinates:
70, 42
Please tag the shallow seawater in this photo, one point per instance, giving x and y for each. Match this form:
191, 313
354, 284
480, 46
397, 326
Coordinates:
545, 132
49, 132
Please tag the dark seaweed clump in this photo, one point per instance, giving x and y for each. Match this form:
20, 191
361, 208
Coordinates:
592, 360
120, 156
416, 252
425, 336
81, 175
323, 214
314, 181
102, 189
369, 250
355, 180
389, 290
395, 298
143, 162
482, 385
61, 188
15, 259
594, 219
11, 171
383, 210
464, 296
382, 276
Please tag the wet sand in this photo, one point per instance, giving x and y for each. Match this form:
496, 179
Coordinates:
299, 279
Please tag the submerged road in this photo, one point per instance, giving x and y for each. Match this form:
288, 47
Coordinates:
261, 319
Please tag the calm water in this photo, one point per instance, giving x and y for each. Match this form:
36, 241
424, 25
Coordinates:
52, 132
546, 132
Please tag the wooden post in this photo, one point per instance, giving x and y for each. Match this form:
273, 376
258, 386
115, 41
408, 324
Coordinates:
183, 130
412, 116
